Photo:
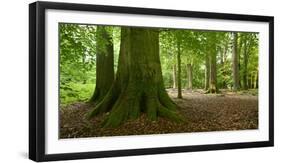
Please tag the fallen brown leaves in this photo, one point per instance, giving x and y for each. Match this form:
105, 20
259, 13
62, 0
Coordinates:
202, 112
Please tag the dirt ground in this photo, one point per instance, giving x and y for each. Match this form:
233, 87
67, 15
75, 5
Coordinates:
201, 113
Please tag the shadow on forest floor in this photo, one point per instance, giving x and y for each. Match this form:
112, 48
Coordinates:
202, 112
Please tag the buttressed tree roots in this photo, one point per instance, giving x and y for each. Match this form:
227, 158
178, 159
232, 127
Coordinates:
138, 86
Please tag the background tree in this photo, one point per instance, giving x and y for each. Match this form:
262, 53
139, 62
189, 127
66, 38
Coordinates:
104, 63
189, 76
207, 71
235, 66
168, 58
224, 72
179, 51
212, 54
249, 43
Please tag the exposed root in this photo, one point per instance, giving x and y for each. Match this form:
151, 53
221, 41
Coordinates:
104, 105
129, 103
172, 115
166, 101
129, 107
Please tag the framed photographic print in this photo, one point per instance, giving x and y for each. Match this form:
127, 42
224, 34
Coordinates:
109, 81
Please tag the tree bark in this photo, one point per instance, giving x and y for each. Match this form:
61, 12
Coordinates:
104, 64
223, 58
189, 76
213, 74
245, 68
174, 76
256, 80
138, 86
207, 72
235, 66
179, 68
251, 81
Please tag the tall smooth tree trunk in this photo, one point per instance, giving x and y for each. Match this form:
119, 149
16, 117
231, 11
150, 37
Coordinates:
84, 70
213, 74
104, 64
207, 72
239, 50
256, 80
189, 76
174, 76
245, 64
222, 63
235, 66
223, 54
249, 81
138, 86
179, 68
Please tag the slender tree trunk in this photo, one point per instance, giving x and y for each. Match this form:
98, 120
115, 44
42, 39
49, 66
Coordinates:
222, 53
138, 86
189, 76
250, 81
179, 68
84, 70
245, 69
239, 50
174, 76
213, 74
223, 61
207, 72
235, 66
104, 64
256, 80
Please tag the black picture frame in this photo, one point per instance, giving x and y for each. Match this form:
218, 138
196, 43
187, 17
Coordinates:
37, 80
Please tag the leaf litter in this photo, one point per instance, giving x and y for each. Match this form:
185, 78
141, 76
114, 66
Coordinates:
201, 113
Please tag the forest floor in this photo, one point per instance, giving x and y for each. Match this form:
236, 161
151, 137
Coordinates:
201, 113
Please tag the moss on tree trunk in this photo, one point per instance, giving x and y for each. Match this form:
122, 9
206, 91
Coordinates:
138, 86
104, 64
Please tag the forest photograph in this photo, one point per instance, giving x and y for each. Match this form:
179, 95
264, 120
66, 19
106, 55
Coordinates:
123, 80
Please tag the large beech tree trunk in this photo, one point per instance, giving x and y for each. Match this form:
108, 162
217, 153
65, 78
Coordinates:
138, 86
104, 64
189, 76
235, 66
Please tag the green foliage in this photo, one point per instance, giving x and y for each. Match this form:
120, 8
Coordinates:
77, 61
78, 57
73, 92
77, 51
195, 45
